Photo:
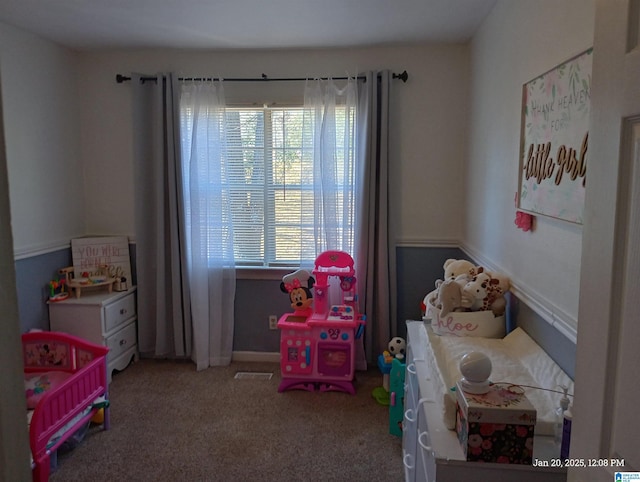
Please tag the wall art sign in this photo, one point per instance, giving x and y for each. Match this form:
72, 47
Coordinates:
554, 140
90, 253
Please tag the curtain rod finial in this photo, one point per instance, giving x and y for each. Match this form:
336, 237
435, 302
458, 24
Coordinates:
403, 76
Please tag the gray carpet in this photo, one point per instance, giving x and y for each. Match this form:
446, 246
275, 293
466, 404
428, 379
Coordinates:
171, 423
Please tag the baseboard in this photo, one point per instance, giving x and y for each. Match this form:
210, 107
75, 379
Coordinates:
255, 356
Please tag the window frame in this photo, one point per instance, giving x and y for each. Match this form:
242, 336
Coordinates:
255, 269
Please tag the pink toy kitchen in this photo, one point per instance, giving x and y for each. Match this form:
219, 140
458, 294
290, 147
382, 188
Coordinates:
317, 340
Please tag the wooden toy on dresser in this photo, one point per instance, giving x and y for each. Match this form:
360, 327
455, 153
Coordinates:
87, 280
317, 349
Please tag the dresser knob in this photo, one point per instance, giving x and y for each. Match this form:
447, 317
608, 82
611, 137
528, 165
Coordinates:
123, 311
123, 342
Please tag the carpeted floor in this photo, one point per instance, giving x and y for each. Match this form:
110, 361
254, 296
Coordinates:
171, 423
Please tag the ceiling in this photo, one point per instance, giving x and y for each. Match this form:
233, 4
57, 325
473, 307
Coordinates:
246, 24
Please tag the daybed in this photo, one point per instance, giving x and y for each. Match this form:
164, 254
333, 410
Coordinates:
431, 450
65, 385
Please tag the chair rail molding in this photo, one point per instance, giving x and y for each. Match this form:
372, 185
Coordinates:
545, 308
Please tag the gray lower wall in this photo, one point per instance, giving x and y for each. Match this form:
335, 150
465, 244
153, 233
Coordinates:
558, 346
417, 269
32, 284
255, 301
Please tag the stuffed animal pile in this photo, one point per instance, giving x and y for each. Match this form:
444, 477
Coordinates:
467, 287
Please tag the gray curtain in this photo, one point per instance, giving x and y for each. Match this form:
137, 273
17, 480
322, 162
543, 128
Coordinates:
375, 259
164, 318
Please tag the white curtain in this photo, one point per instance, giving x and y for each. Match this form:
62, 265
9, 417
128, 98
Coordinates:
329, 129
209, 231
352, 198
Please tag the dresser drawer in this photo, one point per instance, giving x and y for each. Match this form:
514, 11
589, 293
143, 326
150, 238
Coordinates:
119, 312
121, 341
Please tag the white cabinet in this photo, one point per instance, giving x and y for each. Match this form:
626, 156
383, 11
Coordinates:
103, 318
431, 452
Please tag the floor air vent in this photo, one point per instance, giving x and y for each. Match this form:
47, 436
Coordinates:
253, 376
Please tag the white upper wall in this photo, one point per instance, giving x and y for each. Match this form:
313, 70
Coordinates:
428, 123
517, 42
38, 81
69, 135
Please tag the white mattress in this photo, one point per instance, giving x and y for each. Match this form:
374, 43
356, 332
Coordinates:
515, 358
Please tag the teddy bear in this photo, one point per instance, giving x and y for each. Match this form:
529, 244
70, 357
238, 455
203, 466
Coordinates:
504, 283
448, 293
456, 267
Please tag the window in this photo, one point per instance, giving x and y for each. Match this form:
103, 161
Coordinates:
272, 177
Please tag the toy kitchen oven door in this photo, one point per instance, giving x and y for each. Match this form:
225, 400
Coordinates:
317, 348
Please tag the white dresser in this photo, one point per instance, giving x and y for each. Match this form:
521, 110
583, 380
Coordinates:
431, 452
103, 318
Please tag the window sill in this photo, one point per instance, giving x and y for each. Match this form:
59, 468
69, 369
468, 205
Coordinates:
262, 273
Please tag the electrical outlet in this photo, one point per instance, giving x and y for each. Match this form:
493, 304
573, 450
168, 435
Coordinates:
273, 322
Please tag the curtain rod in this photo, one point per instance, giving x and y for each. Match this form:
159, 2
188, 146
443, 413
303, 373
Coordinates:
121, 78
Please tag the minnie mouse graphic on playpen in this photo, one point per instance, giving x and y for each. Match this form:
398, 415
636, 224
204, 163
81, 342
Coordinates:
317, 340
